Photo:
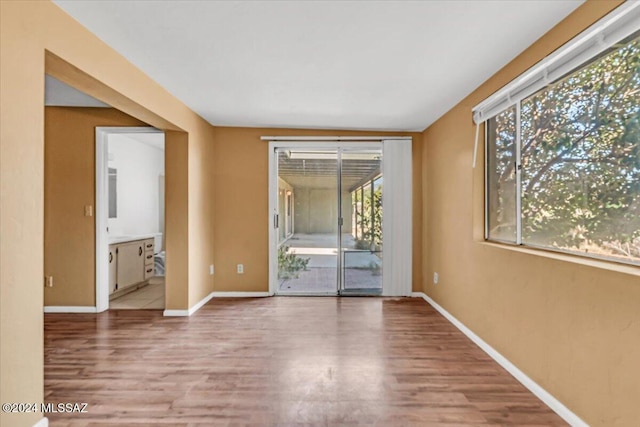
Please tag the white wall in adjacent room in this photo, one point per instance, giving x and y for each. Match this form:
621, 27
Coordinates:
140, 172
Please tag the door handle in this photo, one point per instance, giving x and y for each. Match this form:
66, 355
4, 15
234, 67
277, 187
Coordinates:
276, 220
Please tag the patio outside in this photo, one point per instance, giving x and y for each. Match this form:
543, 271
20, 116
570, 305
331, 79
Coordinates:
308, 222
362, 268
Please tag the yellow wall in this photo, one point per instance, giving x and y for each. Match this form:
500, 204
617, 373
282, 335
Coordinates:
176, 154
37, 37
573, 328
69, 186
201, 213
242, 190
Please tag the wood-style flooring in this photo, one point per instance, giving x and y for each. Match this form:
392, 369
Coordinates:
282, 361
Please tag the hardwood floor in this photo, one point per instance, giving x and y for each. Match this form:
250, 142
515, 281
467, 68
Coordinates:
283, 361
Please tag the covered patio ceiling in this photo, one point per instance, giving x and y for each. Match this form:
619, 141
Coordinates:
318, 169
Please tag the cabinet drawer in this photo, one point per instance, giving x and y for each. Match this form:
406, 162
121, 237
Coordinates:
148, 245
148, 271
148, 258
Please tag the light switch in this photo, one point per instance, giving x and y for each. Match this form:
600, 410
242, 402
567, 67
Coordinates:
211, 270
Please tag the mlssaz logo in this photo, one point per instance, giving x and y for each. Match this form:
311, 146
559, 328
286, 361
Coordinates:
64, 408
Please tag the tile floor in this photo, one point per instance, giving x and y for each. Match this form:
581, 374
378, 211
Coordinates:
150, 296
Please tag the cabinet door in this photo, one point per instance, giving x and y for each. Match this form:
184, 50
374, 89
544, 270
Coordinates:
130, 264
113, 269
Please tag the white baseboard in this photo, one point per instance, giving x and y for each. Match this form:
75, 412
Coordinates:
240, 294
186, 313
176, 313
533, 387
69, 309
44, 422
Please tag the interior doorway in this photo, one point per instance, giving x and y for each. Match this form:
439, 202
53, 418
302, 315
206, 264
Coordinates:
130, 248
328, 219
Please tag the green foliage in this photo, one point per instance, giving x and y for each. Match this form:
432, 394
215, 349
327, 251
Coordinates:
363, 244
289, 264
371, 213
580, 160
374, 234
376, 268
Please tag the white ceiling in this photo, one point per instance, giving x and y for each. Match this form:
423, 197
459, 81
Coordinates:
59, 94
387, 65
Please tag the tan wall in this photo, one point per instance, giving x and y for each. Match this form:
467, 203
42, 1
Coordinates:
241, 189
69, 186
36, 37
176, 154
201, 212
573, 328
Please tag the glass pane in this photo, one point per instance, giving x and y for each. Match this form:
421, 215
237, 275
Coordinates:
362, 186
501, 176
581, 159
308, 221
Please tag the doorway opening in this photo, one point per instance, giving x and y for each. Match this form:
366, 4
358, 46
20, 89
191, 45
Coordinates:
328, 220
130, 249
340, 215
96, 154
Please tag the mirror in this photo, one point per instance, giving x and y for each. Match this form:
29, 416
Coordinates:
113, 193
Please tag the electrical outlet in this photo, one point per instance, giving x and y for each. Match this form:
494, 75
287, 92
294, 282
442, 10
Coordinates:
240, 269
88, 210
48, 281
211, 270
435, 278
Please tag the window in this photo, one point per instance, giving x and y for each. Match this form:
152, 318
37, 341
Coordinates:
501, 176
563, 164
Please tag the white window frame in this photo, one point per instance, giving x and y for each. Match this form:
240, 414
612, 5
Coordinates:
615, 26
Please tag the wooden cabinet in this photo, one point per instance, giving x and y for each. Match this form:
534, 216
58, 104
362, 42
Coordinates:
130, 263
113, 269
149, 261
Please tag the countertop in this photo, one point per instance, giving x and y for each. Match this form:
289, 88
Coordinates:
131, 238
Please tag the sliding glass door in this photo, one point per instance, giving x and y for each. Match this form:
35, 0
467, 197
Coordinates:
328, 220
307, 221
361, 236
